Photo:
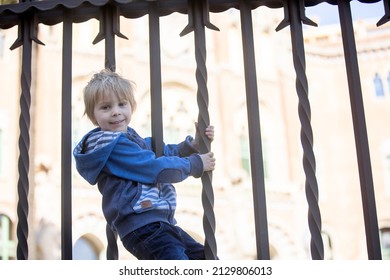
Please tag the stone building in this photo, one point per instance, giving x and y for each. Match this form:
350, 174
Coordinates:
337, 172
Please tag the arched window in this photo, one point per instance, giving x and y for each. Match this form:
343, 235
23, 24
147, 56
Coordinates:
385, 243
379, 92
7, 245
1, 150
244, 148
85, 249
2, 39
179, 113
388, 82
328, 249
387, 173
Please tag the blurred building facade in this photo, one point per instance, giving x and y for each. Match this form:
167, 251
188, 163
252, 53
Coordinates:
337, 172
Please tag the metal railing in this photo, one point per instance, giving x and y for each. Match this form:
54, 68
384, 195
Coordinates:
27, 14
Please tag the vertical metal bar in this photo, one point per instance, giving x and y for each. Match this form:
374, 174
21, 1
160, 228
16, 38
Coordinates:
109, 38
203, 121
66, 131
24, 142
198, 18
108, 13
360, 130
295, 10
155, 78
256, 153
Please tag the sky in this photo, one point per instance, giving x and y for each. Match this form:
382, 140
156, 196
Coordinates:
329, 13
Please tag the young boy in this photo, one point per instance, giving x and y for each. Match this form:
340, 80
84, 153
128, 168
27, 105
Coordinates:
138, 198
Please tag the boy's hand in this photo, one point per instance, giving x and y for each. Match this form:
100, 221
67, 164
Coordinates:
209, 132
208, 161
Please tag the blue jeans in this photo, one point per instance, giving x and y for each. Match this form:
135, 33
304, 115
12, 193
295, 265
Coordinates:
162, 241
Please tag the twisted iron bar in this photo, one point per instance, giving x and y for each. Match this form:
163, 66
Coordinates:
27, 33
198, 20
24, 140
23, 162
294, 15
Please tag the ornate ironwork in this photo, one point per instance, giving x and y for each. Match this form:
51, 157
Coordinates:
198, 13
27, 14
26, 34
294, 16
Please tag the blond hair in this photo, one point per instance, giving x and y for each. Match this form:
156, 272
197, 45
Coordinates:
105, 83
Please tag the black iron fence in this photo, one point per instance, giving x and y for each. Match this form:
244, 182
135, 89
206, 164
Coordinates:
28, 14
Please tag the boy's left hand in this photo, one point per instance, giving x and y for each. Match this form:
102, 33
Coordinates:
209, 132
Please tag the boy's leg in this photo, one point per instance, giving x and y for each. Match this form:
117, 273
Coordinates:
194, 250
156, 241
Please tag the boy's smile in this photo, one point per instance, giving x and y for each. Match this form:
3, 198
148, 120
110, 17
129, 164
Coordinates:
112, 113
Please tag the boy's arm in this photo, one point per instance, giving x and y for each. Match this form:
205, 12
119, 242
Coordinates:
128, 161
182, 149
189, 146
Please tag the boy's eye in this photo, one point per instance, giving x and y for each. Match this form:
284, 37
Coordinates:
105, 107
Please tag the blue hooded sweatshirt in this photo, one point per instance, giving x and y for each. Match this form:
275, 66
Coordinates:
136, 186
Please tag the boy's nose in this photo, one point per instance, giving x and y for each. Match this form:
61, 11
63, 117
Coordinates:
115, 111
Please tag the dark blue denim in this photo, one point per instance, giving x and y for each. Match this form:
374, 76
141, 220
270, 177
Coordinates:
162, 241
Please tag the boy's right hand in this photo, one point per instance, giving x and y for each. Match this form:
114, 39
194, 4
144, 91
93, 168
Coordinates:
208, 161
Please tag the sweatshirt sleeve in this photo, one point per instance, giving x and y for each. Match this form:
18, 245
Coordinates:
182, 149
129, 161
185, 148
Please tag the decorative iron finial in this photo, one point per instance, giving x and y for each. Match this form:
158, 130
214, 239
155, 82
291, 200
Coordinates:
302, 15
104, 19
386, 17
32, 33
205, 18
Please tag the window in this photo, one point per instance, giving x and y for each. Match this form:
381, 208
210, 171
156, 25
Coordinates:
388, 82
387, 174
1, 150
245, 158
2, 39
379, 92
5, 2
328, 250
385, 243
179, 113
7, 246
84, 249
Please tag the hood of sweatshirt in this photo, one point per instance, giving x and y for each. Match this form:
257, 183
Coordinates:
90, 165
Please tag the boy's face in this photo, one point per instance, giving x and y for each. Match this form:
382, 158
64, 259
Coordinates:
112, 113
